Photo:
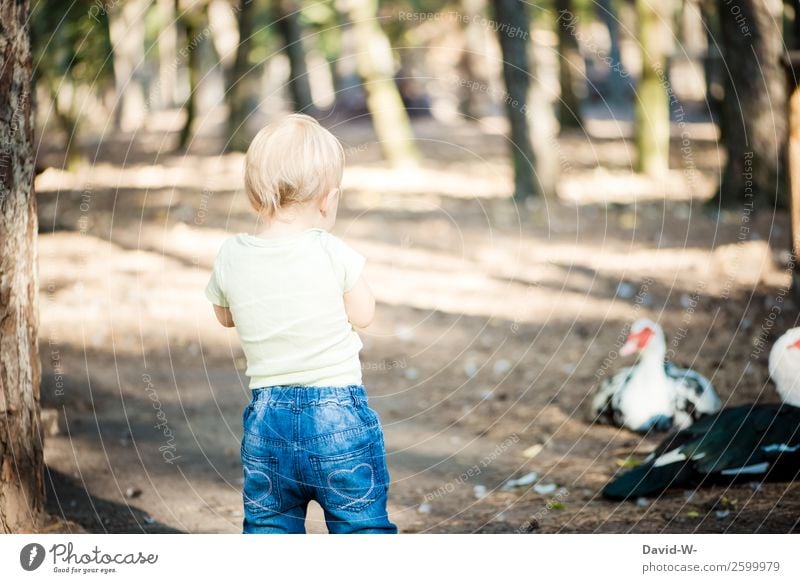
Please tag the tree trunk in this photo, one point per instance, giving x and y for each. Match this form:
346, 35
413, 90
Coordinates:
530, 114
652, 103
473, 65
287, 18
192, 21
570, 66
712, 63
754, 104
126, 28
21, 460
618, 77
167, 53
240, 83
510, 14
376, 69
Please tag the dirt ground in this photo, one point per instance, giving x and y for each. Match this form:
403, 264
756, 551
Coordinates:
495, 323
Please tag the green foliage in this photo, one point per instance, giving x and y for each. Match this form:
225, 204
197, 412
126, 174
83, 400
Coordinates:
70, 40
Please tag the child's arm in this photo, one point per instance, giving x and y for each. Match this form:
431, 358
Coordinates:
359, 303
224, 316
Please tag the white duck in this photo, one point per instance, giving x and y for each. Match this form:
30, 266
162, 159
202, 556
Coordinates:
748, 442
653, 394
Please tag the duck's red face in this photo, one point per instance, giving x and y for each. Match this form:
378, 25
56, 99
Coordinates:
795, 344
637, 341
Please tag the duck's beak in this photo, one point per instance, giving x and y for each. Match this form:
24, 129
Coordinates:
636, 342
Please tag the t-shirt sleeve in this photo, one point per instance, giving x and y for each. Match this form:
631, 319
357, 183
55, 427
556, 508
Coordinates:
214, 291
347, 262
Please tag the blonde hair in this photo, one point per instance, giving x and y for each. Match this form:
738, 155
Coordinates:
293, 160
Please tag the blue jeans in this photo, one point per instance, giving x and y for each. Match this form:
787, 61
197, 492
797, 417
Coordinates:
313, 443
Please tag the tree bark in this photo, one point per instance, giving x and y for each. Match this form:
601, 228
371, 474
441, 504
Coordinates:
652, 101
376, 69
754, 104
21, 459
287, 18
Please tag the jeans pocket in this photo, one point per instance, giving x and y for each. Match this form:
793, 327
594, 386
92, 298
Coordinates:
350, 481
261, 491
246, 413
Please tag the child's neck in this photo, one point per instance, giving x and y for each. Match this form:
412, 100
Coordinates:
289, 224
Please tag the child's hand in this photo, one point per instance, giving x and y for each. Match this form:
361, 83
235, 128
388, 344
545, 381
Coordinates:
359, 303
224, 316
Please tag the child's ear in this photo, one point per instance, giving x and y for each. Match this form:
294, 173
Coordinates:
329, 201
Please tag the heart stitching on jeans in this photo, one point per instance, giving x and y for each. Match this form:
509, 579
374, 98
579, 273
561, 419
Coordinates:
269, 481
365, 496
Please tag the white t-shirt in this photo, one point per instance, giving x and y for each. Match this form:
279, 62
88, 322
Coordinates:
286, 299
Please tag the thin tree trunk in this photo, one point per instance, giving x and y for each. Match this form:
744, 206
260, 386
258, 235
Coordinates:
376, 69
287, 17
240, 83
652, 103
617, 76
126, 28
530, 114
754, 105
512, 13
570, 66
472, 65
21, 460
192, 21
712, 63
167, 53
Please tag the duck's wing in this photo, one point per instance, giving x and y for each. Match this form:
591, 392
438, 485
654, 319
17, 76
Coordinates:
752, 441
740, 442
663, 468
695, 396
603, 409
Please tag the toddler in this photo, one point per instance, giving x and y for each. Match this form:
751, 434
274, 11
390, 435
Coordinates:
294, 292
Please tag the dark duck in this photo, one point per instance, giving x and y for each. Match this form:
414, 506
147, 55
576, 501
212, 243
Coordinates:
745, 443
653, 394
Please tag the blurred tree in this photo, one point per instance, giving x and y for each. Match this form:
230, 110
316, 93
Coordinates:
376, 68
21, 458
191, 20
167, 43
126, 28
618, 84
323, 20
287, 19
754, 104
570, 66
652, 102
531, 118
512, 13
712, 62
72, 57
472, 65
239, 85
